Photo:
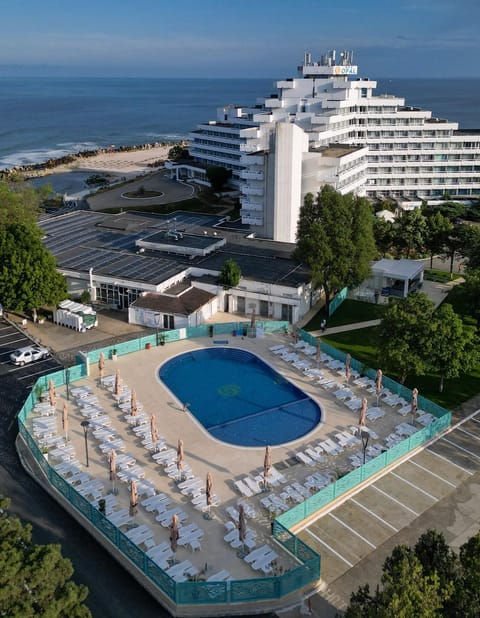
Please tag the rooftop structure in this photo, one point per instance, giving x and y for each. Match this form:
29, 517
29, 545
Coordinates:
279, 149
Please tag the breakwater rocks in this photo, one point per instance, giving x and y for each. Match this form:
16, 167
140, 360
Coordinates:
35, 169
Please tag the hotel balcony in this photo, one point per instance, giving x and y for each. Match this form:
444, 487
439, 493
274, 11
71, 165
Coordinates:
250, 146
248, 160
248, 204
251, 175
249, 190
251, 219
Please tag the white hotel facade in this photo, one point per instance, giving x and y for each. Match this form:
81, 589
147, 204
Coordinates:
326, 126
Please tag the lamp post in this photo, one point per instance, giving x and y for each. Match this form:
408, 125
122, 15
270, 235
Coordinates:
67, 382
365, 437
85, 425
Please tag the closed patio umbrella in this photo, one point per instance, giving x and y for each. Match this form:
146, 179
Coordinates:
180, 454
319, 351
51, 394
242, 524
153, 429
133, 403
133, 498
267, 464
174, 533
362, 421
378, 383
414, 406
111, 459
348, 369
117, 382
101, 365
209, 491
65, 420
252, 320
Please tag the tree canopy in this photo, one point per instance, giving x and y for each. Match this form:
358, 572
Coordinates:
28, 272
335, 239
427, 581
35, 579
230, 274
218, 176
415, 338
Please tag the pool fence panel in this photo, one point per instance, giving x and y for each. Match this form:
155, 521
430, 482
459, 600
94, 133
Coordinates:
337, 301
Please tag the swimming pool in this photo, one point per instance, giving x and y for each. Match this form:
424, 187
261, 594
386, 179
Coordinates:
238, 398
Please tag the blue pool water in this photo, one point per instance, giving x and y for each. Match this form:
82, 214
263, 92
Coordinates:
238, 398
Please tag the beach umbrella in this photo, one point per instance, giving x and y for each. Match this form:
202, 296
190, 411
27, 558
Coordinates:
133, 498
267, 464
51, 394
252, 321
153, 429
133, 403
363, 413
319, 350
414, 406
65, 420
174, 533
180, 454
101, 365
209, 489
348, 369
117, 382
242, 524
111, 460
378, 383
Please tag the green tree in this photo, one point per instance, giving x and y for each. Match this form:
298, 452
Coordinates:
35, 579
177, 152
411, 231
471, 291
230, 274
453, 346
218, 176
468, 592
459, 241
335, 239
405, 334
438, 230
20, 202
384, 234
28, 273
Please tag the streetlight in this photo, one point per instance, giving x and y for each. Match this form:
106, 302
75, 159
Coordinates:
365, 435
85, 425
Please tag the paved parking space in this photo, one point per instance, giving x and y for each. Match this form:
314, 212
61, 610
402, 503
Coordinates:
356, 528
12, 338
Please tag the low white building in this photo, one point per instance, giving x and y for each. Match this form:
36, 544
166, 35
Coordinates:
396, 277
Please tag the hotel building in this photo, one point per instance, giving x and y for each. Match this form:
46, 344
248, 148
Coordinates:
328, 126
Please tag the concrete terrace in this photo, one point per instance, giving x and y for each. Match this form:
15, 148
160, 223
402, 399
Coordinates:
204, 454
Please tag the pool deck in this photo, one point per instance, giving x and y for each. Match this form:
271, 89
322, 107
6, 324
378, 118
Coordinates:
225, 462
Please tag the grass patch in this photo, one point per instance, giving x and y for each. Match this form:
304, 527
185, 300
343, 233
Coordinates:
432, 274
349, 312
362, 344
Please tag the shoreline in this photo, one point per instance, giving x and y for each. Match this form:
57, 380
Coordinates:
122, 160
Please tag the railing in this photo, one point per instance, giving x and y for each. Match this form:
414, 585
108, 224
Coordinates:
319, 500
185, 593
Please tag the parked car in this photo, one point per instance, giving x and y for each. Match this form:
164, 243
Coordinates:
28, 354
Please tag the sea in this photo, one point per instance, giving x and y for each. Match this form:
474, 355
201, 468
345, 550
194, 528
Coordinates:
48, 117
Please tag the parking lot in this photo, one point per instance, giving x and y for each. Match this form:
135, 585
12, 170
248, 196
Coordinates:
12, 338
349, 533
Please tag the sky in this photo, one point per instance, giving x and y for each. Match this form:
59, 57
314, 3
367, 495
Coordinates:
228, 38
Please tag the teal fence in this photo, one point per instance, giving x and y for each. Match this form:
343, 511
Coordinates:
184, 593
349, 481
337, 301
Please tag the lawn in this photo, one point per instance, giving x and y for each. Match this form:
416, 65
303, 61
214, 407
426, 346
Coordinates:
349, 312
362, 344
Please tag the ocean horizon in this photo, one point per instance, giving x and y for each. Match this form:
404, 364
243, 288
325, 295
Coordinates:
48, 117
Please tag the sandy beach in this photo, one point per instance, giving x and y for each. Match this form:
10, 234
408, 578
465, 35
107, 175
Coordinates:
115, 163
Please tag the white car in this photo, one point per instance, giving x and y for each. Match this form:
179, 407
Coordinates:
28, 354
